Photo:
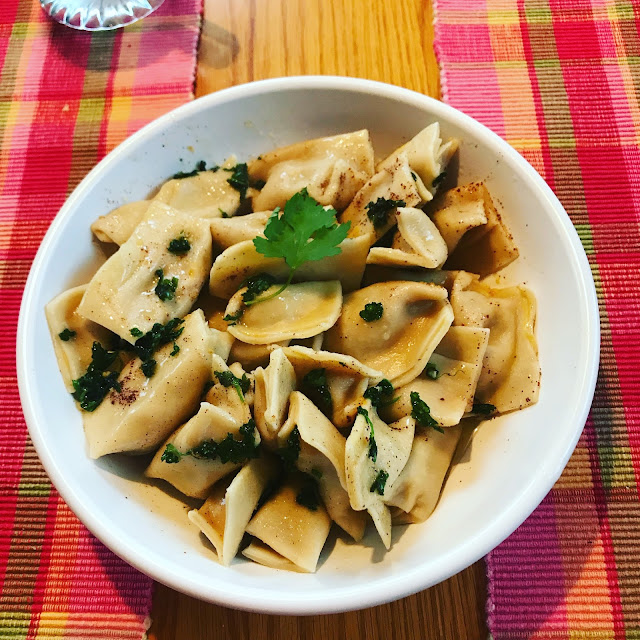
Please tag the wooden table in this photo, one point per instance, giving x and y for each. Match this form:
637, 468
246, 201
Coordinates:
387, 40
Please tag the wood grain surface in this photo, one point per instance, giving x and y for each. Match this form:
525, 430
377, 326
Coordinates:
386, 40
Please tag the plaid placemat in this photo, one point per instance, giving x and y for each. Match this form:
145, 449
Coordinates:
66, 99
560, 81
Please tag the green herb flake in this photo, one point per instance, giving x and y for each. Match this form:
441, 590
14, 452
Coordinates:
315, 386
239, 179
378, 211
158, 336
255, 286
309, 496
91, 388
483, 409
432, 371
200, 166
379, 483
439, 179
166, 288
224, 214
66, 334
179, 246
372, 311
305, 232
421, 413
381, 395
232, 318
227, 379
149, 367
171, 455
373, 447
176, 349
136, 333
290, 452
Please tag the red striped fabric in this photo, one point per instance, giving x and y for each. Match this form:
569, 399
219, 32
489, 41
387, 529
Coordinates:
66, 99
560, 81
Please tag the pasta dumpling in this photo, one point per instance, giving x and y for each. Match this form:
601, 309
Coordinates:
118, 225
299, 311
229, 231
144, 411
417, 243
510, 377
144, 283
415, 317
241, 261
481, 249
74, 352
449, 382
428, 156
332, 169
322, 455
291, 529
335, 382
252, 356
417, 488
185, 460
225, 514
375, 454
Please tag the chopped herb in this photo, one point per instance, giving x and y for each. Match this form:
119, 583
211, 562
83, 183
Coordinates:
200, 166
379, 483
381, 395
305, 232
136, 333
232, 318
66, 334
239, 179
378, 211
414, 176
158, 336
224, 214
255, 286
316, 388
148, 367
176, 349
438, 180
165, 289
483, 409
179, 245
290, 452
316, 473
373, 447
228, 450
421, 413
432, 371
372, 311
227, 379
91, 388
309, 496
171, 455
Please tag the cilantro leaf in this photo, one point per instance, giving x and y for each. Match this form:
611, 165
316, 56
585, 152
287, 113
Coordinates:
171, 455
373, 447
66, 334
165, 289
432, 371
421, 413
305, 232
379, 483
179, 246
372, 311
227, 379
291, 451
316, 388
239, 179
381, 395
136, 333
91, 388
159, 335
483, 409
378, 211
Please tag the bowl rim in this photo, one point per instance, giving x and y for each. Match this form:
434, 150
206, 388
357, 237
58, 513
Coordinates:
362, 596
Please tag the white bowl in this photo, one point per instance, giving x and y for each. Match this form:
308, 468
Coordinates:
513, 461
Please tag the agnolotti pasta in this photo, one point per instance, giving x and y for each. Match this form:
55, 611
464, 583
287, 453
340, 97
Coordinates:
144, 282
332, 169
325, 371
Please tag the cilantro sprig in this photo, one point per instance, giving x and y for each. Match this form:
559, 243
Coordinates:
303, 232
